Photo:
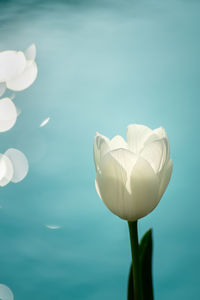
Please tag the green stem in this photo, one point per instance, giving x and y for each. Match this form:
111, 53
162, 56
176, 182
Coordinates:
137, 280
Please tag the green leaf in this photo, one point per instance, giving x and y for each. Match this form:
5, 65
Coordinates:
145, 249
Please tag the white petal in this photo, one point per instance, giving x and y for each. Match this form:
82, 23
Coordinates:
53, 227
5, 293
19, 162
25, 79
162, 134
12, 64
6, 170
2, 88
125, 158
144, 187
45, 122
136, 136
30, 52
111, 185
165, 176
8, 114
118, 142
156, 153
100, 148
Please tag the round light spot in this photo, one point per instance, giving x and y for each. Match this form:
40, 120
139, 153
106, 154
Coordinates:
12, 64
6, 293
8, 114
25, 79
19, 162
6, 170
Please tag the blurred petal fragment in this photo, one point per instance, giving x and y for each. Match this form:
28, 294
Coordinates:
6, 293
30, 52
20, 164
25, 79
45, 122
8, 114
6, 170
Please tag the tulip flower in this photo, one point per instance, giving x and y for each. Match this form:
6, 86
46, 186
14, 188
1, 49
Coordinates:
132, 176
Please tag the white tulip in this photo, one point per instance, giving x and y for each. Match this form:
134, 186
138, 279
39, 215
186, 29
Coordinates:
132, 176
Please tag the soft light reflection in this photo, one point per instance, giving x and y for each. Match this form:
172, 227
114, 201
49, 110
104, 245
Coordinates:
53, 227
12, 64
19, 163
2, 88
30, 52
25, 79
18, 70
6, 293
6, 170
45, 122
8, 114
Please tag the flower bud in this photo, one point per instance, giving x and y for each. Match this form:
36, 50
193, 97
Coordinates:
132, 176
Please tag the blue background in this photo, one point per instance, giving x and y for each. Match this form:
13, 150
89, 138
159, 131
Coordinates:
102, 65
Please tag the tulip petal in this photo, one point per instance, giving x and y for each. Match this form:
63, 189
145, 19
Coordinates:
12, 64
118, 142
111, 185
136, 136
25, 79
144, 187
155, 153
100, 148
8, 114
165, 176
20, 164
30, 52
162, 134
6, 170
125, 158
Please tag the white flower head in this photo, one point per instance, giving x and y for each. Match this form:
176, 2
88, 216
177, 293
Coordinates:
132, 176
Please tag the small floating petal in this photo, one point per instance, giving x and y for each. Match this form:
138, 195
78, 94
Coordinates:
6, 293
25, 79
30, 52
8, 114
12, 64
45, 122
6, 170
19, 162
2, 88
53, 227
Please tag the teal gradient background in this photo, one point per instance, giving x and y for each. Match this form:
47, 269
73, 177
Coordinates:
102, 65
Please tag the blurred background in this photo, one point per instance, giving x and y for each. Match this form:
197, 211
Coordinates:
102, 65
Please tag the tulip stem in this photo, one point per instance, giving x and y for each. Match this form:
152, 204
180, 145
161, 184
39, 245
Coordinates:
137, 279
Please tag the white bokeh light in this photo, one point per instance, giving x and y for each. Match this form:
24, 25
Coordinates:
45, 122
6, 170
30, 52
2, 88
12, 64
19, 163
18, 70
6, 293
8, 114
